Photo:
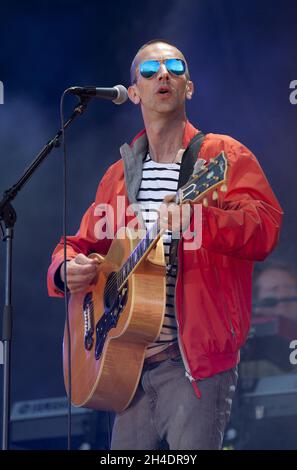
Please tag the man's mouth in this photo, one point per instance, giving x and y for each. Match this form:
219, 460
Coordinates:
164, 91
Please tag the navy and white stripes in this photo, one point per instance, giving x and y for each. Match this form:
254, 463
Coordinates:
158, 181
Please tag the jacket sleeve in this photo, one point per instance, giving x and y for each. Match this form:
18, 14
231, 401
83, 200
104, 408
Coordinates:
85, 241
247, 219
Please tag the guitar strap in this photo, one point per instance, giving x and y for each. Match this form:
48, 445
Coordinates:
186, 170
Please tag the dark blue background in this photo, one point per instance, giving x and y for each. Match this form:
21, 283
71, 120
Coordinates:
242, 58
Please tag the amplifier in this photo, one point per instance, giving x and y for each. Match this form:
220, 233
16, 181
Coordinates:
272, 396
42, 424
265, 417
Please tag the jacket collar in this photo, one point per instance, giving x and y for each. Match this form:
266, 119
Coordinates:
134, 154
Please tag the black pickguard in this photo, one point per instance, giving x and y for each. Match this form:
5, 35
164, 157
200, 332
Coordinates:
114, 303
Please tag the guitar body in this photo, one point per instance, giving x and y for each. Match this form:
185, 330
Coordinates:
109, 333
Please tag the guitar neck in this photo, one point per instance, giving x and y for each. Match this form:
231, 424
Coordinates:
203, 180
141, 250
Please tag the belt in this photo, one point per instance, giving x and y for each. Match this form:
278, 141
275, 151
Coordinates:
171, 352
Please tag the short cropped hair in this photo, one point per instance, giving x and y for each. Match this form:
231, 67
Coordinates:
153, 41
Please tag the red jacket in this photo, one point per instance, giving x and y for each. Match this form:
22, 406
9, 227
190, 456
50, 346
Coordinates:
214, 283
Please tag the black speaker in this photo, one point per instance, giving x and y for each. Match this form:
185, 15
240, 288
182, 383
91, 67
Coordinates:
42, 424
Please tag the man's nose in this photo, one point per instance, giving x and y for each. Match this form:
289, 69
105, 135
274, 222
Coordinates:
163, 72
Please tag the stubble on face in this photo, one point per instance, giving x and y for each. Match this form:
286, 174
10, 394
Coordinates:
148, 89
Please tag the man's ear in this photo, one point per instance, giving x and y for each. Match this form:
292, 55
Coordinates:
133, 94
189, 89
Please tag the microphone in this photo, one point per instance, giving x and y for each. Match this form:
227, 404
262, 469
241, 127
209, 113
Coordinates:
117, 94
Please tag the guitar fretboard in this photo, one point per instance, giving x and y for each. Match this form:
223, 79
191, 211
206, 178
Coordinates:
139, 251
203, 179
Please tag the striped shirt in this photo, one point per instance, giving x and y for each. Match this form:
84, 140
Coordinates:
159, 180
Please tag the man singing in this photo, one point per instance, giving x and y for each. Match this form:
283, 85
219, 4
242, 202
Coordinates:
183, 400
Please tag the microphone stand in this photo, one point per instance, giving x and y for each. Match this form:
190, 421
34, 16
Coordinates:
8, 217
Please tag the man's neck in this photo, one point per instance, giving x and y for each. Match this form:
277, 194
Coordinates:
165, 138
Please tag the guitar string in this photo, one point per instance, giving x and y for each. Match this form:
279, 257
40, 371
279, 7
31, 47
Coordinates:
129, 263
114, 283
140, 246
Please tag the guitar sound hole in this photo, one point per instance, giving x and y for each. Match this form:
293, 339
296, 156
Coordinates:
110, 292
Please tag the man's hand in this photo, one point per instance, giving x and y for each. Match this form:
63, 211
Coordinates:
173, 216
81, 272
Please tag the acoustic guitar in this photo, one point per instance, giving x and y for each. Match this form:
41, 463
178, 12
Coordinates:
114, 319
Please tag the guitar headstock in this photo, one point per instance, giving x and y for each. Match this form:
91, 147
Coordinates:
209, 177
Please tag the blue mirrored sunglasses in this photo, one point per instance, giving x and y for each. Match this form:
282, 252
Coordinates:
149, 68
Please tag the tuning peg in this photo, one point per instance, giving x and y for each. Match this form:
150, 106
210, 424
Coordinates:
223, 188
205, 202
215, 195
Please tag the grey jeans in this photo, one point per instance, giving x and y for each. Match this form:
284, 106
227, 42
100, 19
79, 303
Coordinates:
166, 413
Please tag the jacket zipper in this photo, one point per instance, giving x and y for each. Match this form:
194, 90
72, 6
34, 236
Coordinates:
185, 362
